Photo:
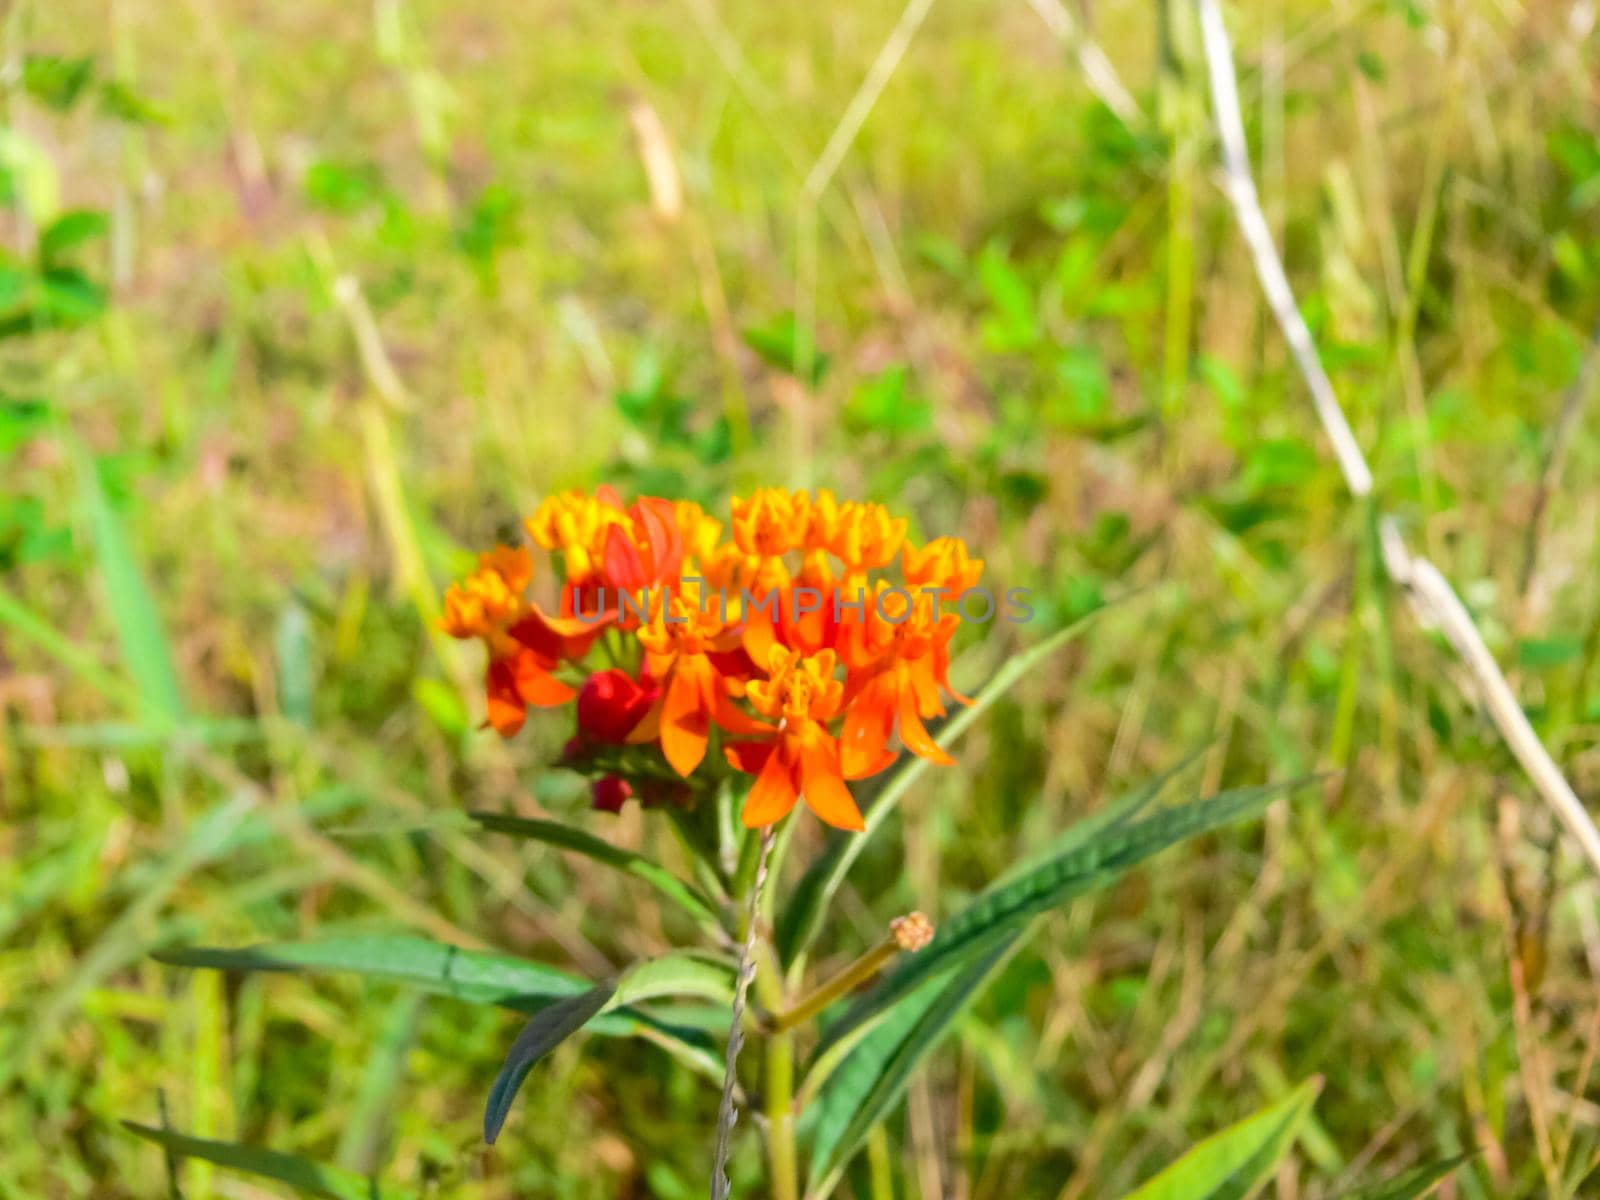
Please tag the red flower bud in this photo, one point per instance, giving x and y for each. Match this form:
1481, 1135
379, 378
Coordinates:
610, 704
610, 792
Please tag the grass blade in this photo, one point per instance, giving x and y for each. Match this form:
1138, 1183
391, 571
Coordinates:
801, 920
1006, 906
542, 1034
312, 1178
1412, 1184
552, 833
133, 609
1232, 1164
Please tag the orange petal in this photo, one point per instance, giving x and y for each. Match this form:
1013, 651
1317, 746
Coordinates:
824, 789
734, 719
623, 565
915, 736
860, 766
649, 727
684, 719
537, 686
773, 794
660, 522
759, 636
749, 757
505, 707
865, 738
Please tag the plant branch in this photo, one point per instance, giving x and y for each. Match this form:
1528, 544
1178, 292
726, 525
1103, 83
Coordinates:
1432, 597
910, 932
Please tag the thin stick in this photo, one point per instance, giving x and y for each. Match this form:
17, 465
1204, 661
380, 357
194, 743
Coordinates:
726, 1113
1258, 236
1097, 70
1431, 595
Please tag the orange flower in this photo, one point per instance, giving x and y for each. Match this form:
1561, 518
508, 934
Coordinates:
789, 592
523, 648
802, 760
943, 563
693, 652
770, 521
867, 537
897, 655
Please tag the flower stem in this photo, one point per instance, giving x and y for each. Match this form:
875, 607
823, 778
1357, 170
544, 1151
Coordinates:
727, 1114
847, 980
783, 1167
910, 932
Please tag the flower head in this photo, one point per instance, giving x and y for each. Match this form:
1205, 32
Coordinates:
777, 645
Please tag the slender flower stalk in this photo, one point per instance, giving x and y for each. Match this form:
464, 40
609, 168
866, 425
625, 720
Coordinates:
727, 1114
910, 932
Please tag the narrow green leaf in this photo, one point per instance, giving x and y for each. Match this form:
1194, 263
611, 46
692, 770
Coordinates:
553, 833
1412, 1184
1004, 907
471, 975
478, 977
133, 609
1105, 820
547, 1030
312, 1178
680, 974
801, 920
1230, 1165
872, 1079
292, 646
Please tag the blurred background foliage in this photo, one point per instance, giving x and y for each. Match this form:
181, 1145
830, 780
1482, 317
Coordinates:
302, 304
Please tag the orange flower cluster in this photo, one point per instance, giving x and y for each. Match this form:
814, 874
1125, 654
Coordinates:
784, 643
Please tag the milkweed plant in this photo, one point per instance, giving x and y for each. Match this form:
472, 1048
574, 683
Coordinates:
737, 678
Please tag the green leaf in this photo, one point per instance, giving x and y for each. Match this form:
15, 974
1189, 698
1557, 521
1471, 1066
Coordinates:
874, 1076
678, 974
801, 919
312, 1178
121, 102
1412, 1184
69, 297
1002, 910
68, 230
144, 643
471, 975
32, 174
690, 899
1230, 1165
480, 977
883, 405
1105, 820
292, 652
339, 188
778, 344
56, 81
547, 1030
1541, 653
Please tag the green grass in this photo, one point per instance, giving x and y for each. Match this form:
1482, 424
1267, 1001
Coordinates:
227, 510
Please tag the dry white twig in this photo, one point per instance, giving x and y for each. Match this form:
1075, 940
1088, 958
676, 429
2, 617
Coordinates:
1431, 594
1097, 70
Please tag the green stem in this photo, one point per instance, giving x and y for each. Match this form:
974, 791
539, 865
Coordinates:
782, 1163
847, 980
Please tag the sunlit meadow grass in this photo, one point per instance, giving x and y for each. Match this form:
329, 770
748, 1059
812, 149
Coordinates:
381, 277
